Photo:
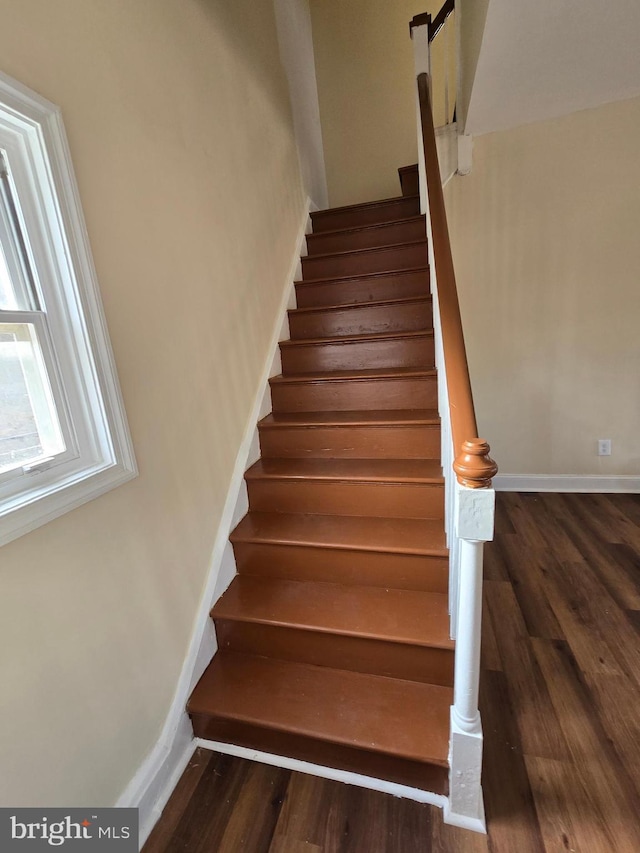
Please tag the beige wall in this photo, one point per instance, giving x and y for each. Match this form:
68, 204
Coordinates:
180, 129
365, 73
547, 254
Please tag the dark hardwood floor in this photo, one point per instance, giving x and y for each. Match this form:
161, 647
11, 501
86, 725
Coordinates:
560, 700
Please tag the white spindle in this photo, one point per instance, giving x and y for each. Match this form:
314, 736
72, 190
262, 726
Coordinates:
467, 663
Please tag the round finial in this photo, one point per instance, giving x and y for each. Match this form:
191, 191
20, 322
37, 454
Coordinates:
473, 465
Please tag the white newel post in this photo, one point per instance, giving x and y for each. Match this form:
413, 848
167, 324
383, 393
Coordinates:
474, 515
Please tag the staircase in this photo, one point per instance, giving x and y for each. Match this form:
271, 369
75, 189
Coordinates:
334, 644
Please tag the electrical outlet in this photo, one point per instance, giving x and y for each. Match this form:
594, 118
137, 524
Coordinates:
604, 447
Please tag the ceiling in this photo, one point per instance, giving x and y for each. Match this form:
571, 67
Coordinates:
541, 59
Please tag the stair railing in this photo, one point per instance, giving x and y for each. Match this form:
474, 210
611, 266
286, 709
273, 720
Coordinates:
467, 466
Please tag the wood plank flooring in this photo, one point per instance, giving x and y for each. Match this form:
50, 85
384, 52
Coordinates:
560, 694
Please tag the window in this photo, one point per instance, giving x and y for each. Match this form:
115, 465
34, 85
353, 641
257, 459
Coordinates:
63, 432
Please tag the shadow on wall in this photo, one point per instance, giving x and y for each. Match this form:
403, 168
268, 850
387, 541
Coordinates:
253, 44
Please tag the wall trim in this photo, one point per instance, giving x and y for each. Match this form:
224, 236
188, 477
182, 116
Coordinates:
295, 46
586, 483
155, 779
474, 824
447, 145
393, 788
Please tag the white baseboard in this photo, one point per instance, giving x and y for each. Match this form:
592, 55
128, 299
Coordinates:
475, 824
332, 773
159, 773
566, 483
155, 779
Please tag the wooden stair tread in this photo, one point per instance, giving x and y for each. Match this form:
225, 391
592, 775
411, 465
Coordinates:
350, 339
421, 537
355, 375
383, 303
363, 470
355, 276
371, 712
392, 615
361, 205
369, 250
371, 226
334, 638
375, 417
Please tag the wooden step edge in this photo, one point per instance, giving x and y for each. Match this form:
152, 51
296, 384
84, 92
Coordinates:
435, 551
312, 420
351, 306
255, 474
364, 205
339, 279
238, 535
403, 244
443, 643
383, 375
197, 704
357, 339
371, 226
227, 614
332, 546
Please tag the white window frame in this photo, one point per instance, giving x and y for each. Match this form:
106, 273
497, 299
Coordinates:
71, 325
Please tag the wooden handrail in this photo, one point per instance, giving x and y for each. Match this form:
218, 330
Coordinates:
438, 22
472, 463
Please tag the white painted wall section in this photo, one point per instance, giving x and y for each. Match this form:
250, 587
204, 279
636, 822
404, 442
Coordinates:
293, 20
547, 59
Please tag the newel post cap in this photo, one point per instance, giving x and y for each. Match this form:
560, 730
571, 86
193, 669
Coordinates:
424, 18
473, 465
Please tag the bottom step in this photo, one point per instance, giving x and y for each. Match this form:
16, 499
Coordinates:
382, 727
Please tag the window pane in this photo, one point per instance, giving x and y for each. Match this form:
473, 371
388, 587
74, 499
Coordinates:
8, 300
17, 290
29, 427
